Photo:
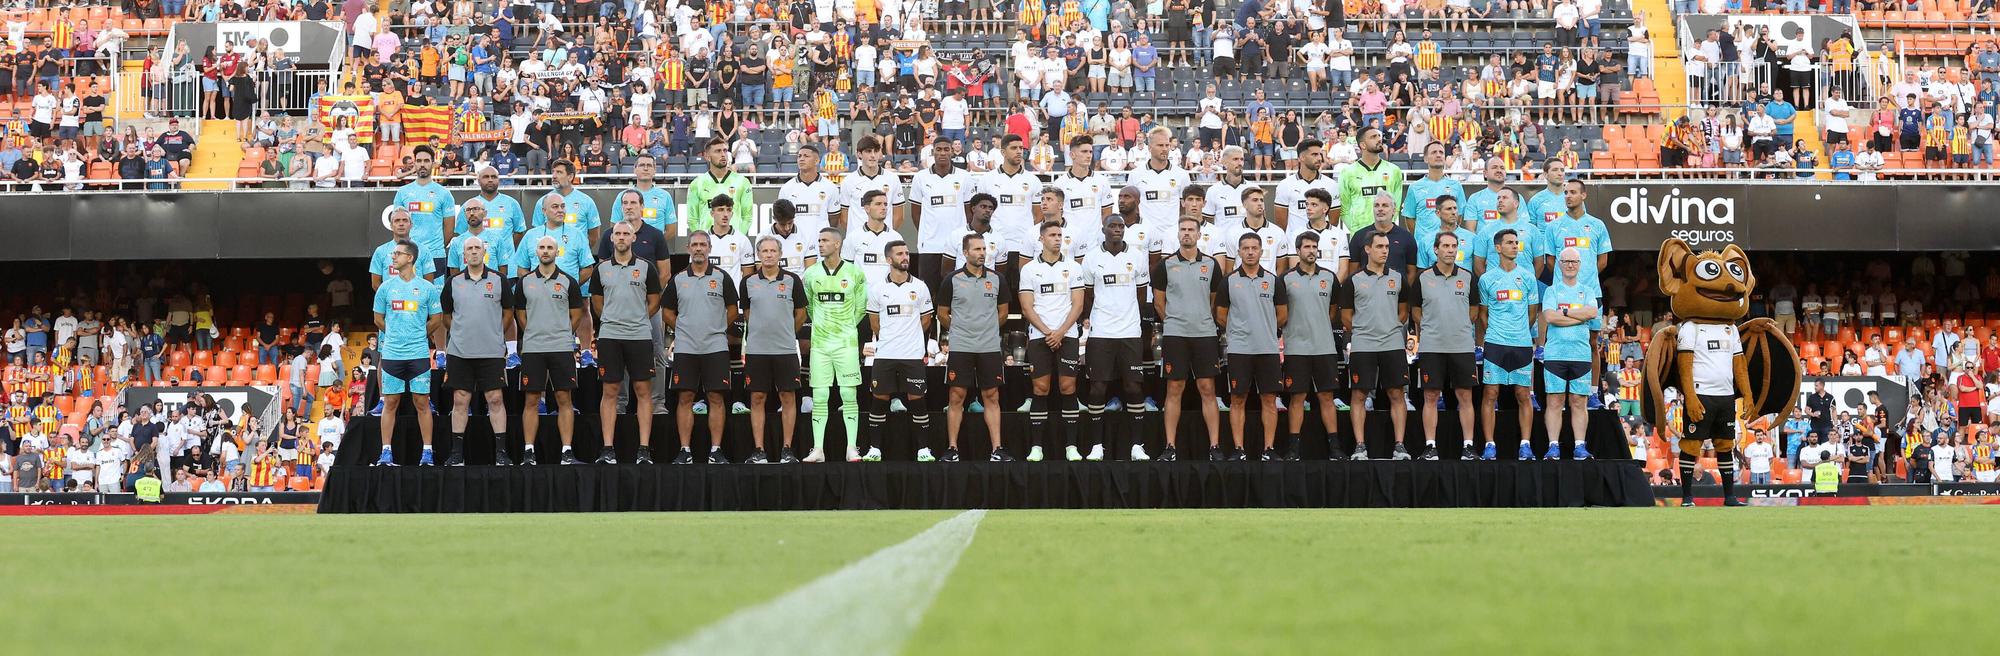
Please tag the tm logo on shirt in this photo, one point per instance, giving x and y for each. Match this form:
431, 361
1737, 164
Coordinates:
1509, 295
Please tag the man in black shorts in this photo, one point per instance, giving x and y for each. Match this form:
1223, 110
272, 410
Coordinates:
548, 306
1190, 283
1375, 307
899, 316
700, 305
774, 305
475, 354
1251, 308
1051, 300
1312, 361
1116, 276
628, 293
975, 301
1446, 304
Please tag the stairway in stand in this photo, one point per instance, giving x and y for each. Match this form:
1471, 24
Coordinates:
217, 154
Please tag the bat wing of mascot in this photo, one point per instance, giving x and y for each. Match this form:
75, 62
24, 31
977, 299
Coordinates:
1713, 287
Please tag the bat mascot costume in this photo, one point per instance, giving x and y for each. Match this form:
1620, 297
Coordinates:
1713, 361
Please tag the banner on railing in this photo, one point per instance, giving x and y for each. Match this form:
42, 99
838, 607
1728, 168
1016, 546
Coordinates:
316, 44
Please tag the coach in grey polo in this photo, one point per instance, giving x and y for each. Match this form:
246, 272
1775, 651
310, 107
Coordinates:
1373, 307
475, 306
1251, 311
1445, 296
700, 301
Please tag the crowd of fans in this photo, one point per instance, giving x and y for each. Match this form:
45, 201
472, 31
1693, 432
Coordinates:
79, 356
1952, 375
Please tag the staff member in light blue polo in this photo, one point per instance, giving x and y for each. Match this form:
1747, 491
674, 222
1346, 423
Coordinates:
406, 312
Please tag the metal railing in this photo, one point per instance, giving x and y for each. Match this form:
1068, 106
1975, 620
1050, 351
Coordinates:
180, 94
465, 183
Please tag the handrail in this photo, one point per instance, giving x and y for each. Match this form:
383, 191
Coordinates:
612, 180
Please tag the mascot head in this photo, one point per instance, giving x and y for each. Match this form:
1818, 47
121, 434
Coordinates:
1712, 285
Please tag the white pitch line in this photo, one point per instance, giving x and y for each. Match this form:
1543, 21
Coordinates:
869, 607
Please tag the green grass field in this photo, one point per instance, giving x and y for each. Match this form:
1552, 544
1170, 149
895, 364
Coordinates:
1870, 579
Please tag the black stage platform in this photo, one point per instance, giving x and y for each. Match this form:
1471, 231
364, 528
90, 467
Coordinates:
352, 486
907, 485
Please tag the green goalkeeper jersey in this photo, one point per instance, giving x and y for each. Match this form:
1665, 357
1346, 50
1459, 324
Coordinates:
839, 301
707, 186
1359, 185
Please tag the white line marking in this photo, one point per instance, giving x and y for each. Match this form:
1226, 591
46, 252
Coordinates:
869, 607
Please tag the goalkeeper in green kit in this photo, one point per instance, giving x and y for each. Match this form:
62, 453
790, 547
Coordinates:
836, 291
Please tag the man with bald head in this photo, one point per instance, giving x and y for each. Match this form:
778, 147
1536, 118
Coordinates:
502, 211
547, 307
1569, 307
473, 301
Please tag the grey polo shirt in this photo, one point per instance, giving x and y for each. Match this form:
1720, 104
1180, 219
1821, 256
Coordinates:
625, 288
1309, 322
701, 303
546, 302
1253, 303
477, 307
975, 311
1375, 298
770, 304
1189, 285
1447, 303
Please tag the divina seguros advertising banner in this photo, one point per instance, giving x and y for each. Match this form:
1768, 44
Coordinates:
1757, 215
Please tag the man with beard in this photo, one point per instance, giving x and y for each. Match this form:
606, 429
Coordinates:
429, 205
1366, 178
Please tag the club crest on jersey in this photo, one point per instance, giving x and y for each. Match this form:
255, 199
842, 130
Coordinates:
635, 274
559, 287
712, 284
489, 286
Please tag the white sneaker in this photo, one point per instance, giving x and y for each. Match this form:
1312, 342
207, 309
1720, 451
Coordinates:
1221, 405
896, 405
924, 455
1139, 454
739, 408
1096, 454
874, 454
817, 455
1034, 454
1281, 405
853, 455
1072, 455
805, 405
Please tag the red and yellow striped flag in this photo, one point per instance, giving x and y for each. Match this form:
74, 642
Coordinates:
422, 123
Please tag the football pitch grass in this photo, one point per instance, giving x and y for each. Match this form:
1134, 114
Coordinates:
1639, 580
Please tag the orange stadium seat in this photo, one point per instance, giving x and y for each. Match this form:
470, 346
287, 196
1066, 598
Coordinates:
203, 358
214, 375
266, 374
226, 359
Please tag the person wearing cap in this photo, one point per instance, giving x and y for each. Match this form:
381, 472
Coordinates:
177, 144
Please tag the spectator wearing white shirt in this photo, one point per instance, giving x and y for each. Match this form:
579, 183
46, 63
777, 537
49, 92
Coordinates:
110, 459
353, 159
1759, 454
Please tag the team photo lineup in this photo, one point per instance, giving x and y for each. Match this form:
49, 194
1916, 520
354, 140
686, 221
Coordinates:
1424, 296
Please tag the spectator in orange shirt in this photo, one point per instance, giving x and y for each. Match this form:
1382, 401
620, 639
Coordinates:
389, 115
